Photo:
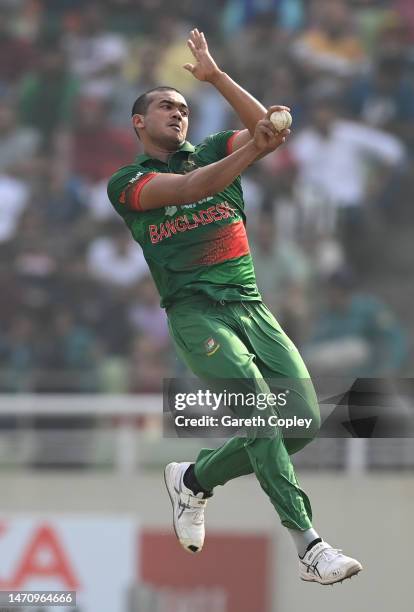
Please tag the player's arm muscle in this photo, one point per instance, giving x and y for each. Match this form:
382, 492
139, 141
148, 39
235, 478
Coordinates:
163, 190
167, 189
248, 109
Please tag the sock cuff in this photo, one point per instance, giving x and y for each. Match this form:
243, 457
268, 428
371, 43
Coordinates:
191, 482
313, 543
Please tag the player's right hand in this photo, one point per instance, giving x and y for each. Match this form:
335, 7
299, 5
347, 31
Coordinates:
205, 68
266, 138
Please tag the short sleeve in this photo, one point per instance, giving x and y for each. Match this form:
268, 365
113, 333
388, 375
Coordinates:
216, 147
125, 186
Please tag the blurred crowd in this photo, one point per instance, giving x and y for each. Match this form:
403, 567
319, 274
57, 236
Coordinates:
329, 214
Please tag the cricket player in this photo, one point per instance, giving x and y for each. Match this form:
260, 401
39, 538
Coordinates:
184, 205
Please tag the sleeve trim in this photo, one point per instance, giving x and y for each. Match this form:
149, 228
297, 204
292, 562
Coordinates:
229, 143
131, 196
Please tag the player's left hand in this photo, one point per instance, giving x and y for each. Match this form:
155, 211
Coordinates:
266, 138
205, 68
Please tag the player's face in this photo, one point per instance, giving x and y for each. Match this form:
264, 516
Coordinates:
166, 119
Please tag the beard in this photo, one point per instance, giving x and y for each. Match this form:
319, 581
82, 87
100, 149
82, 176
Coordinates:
168, 139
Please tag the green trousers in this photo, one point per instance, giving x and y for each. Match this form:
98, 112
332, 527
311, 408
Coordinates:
242, 340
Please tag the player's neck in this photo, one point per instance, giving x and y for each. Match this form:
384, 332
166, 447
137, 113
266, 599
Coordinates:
156, 152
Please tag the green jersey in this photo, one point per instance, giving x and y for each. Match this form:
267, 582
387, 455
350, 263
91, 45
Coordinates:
199, 247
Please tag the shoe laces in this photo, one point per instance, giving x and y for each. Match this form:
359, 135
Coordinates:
329, 553
198, 517
197, 512
194, 505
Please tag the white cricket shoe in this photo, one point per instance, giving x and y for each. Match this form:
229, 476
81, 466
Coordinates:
327, 565
188, 509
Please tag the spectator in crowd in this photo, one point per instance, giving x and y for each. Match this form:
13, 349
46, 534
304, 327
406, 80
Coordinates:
284, 82
249, 58
384, 98
68, 354
48, 94
96, 55
34, 262
14, 196
98, 147
282, 274
254, 194
239, 13
142, 22
405, 8
301, 217
19, 354
59, 196
59, 9
35, 265
94, 303
18, 144
146, 315
333, 157
138, 76
355, 334
116, 260
174, 54
330, 45
16, 53
393, 38
147, 365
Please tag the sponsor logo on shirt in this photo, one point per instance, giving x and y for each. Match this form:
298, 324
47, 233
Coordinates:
136, 177
171, 210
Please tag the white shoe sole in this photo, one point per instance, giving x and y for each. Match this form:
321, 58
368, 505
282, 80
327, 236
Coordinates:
351, 571
169, 483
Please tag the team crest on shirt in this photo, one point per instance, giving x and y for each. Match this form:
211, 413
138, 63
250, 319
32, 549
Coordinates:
211, 345
188, 166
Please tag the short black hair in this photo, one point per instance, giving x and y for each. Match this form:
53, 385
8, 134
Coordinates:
143, 101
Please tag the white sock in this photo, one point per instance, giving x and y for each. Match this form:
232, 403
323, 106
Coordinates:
302, 539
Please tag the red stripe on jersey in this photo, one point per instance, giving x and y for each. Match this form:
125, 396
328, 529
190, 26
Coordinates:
228, 242
229, 144
130, 196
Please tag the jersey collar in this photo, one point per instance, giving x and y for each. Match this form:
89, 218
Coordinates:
186, 147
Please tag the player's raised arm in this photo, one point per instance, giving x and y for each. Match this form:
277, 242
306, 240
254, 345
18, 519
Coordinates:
249, 110
210, 179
